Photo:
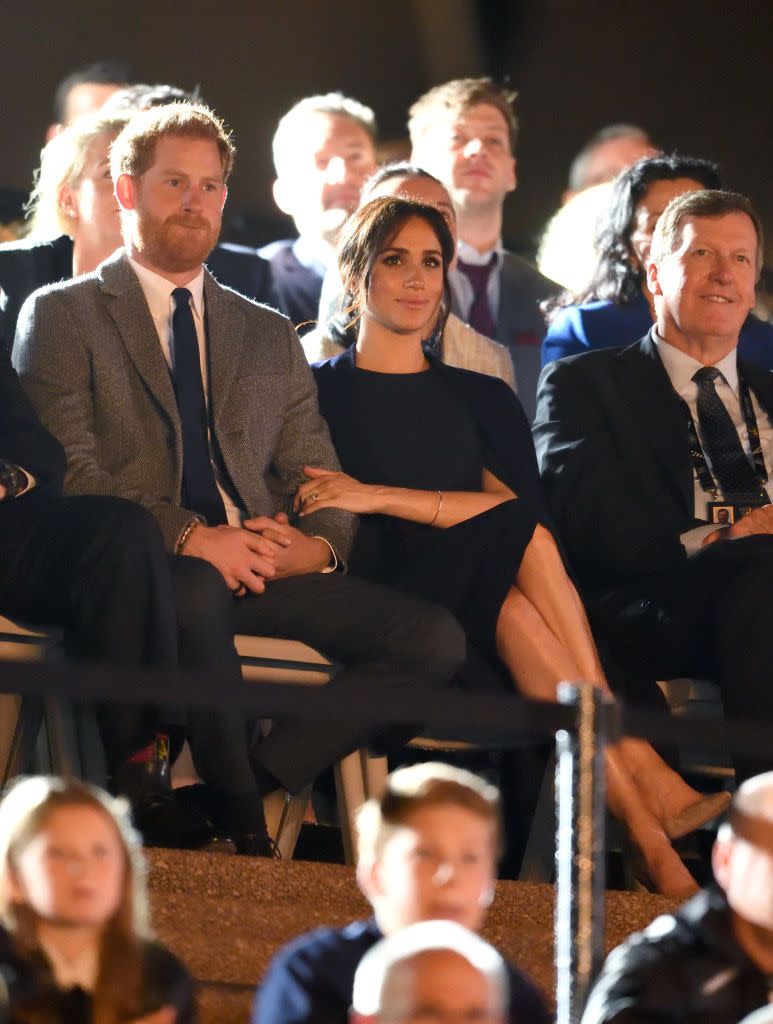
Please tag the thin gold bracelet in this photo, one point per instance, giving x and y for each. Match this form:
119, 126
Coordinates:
182, 540
437, 510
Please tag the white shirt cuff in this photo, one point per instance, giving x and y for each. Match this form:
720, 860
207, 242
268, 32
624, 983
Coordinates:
692, 540
331, 566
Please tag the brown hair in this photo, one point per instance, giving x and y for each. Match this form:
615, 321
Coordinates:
456, 98
295, 123
134, 150
431, 784
24, 811
370, 230
705, 203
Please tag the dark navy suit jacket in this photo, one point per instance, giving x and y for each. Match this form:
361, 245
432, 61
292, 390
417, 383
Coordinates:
298, 287
310, 980
594, 325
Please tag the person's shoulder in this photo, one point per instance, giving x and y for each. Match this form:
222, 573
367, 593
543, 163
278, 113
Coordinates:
276, 250
320, 348
321, 946
526, 1000
491, 398
54, 295
245, 305
522, 270
689, 933
594, 361
161, 963
166, 979
34, 247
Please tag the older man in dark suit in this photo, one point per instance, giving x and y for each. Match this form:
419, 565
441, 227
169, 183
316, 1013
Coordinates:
639, 446
198, 404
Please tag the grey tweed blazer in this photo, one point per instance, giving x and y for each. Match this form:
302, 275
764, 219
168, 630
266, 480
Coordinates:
88, 355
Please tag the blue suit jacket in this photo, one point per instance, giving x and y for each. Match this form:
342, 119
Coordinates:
595, 325
310, 980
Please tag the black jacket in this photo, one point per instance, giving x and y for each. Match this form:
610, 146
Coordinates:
686, 968
31, 987
611, 440
24, 441
25, 267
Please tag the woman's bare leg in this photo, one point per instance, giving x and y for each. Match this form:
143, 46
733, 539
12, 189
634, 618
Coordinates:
542, 578
537, 660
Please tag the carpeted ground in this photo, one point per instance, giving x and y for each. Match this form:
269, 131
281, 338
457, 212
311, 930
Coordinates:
225, 916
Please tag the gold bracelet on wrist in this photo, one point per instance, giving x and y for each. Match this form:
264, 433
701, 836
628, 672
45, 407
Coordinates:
184, 537
437, 510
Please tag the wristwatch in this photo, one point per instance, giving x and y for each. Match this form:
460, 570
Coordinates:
13, 479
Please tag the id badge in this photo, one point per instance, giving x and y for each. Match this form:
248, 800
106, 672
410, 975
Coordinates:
729, 511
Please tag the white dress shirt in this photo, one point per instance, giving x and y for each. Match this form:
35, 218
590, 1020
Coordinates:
158, 293
680, 368
461, 287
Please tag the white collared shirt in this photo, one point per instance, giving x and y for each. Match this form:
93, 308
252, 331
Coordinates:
461, 286
680, 368
158, 293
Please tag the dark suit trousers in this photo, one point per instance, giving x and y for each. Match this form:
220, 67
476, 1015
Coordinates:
381, 638
708, 617
97, 567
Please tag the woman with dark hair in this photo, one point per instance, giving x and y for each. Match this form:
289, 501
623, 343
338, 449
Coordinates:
74, 934
454, 342
439, 463
616, 308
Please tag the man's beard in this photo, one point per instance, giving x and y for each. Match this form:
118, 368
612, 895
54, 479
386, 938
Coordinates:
179, 243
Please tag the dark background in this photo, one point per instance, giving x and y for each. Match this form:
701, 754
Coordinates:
696, 73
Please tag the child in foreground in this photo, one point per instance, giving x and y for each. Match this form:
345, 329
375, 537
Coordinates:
427, 850
74, 936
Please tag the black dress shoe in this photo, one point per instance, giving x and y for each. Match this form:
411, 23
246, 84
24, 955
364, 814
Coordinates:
251, 844
158, 816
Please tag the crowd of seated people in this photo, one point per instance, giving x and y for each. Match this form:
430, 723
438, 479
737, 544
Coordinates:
161, 425
617, 308
427, 849
76, 939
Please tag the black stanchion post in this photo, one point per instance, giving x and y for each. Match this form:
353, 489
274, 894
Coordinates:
580, 849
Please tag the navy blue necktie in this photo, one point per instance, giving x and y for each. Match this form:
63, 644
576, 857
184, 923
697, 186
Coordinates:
731, 467
200, 493
480, 317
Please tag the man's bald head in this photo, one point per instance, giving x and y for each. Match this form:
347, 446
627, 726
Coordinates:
743, 853
435, 969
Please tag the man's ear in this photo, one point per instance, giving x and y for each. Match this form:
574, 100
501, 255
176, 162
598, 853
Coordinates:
225, 196
126, 191
514, 175
369, 879
721, 855
282, 198
653, 281
15, 889
67, 201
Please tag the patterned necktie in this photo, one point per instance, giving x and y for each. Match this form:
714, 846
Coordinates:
729, 464
200, 493
480, 316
